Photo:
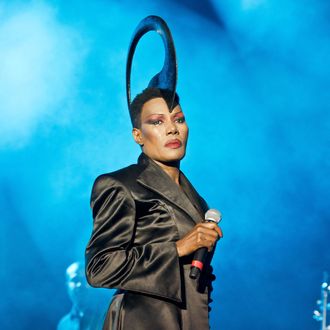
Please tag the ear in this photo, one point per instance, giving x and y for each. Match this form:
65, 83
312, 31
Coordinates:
137, 135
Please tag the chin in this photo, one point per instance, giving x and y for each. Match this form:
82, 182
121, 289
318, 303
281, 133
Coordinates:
174, 155
166, 155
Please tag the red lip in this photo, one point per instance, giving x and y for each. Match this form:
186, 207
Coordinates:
173, 144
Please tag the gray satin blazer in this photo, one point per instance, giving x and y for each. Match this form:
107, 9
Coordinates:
139, 213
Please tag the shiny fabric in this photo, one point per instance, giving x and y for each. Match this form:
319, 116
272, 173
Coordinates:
139, 213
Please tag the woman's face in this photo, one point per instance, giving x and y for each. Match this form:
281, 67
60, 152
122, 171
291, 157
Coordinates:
163, 135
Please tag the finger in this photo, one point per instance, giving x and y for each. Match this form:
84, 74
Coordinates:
220, 232
216, 228
210, 248
206, 239
209, 225
213, 226
213, 231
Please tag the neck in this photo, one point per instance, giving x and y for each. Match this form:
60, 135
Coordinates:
172, 169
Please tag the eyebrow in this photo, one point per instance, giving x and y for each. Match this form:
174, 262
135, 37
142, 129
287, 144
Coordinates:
178, 113
162, 114
155, 114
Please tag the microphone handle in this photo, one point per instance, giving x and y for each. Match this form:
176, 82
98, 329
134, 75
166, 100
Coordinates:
200, 255
199, 258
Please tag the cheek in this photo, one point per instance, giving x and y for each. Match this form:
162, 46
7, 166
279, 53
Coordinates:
185, 131
152, 136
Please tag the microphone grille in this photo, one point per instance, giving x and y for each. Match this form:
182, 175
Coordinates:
213, 215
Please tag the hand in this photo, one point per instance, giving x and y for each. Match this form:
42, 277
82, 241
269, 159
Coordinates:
204, 234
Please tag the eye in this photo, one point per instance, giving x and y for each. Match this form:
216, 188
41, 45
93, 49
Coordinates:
155, 122
180, 120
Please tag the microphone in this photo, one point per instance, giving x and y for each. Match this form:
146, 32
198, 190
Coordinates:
212, 215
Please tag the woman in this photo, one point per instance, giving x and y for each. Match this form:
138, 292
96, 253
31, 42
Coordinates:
147, 226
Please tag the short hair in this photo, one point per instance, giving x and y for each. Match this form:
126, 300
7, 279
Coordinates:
147, 95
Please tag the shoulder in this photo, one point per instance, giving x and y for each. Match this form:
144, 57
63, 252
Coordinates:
122, 179
124, 176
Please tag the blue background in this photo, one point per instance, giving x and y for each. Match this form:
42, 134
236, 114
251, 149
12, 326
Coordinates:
254, 79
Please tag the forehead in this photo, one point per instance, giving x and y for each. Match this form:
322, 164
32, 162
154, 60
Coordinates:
157, 106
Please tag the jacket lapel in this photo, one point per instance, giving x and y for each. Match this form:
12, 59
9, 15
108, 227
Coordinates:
155, 179
192, 194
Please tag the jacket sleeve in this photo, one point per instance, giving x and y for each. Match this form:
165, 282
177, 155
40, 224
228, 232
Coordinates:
112, 259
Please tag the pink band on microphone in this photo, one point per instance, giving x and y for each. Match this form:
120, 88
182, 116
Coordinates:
197, 264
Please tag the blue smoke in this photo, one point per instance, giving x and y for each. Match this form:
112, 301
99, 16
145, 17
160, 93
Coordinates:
255, 93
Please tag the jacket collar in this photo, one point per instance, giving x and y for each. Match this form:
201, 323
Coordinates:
155, 179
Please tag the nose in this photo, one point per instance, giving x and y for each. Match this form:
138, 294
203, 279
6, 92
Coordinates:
172, 128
